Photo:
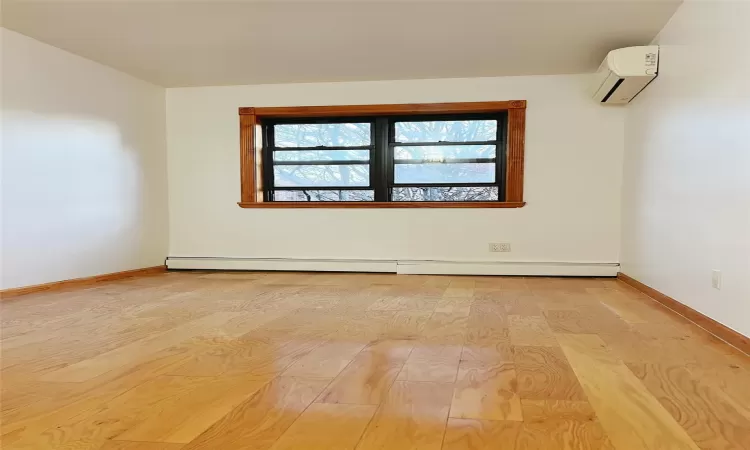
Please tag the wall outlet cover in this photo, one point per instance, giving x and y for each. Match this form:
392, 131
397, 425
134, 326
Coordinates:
716, 279
502, 247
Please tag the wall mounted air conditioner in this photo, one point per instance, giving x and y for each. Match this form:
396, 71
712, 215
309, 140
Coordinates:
624, 73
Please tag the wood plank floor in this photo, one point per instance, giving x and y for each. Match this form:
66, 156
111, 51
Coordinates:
282, 361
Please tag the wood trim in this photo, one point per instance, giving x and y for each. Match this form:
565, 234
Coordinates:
374, 110
80, 282
401, 205
719, 330
250, 157
258, 170
515, 165
248, 181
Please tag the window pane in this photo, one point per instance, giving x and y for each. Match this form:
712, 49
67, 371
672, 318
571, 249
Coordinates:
445, 194
324, 196
322, 155
445, 173
446, 130
440, 152
358, 175
327, 134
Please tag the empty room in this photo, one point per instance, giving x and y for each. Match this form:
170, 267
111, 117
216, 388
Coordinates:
375, 224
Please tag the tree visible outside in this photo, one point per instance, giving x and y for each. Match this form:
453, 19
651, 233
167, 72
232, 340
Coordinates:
431, 166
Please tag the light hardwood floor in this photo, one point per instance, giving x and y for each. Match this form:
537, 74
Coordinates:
286, 361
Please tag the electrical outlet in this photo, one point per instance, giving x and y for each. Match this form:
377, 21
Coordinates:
500, 247
716, 279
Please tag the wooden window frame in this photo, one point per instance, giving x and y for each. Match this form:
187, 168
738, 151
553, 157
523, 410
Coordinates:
251, 155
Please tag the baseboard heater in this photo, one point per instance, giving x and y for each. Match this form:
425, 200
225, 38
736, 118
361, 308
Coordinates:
405, 267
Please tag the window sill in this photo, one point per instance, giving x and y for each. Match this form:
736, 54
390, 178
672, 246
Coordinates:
386, 205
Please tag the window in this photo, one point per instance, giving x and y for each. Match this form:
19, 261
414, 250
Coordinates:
325, 160
439, 155
448, 159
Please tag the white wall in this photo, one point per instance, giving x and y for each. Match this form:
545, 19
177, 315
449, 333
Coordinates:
572, 186
686, 192
84, 187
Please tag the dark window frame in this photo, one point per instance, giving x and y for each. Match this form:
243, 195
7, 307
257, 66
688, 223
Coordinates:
269, 148
382, 162
253, 164
500, 142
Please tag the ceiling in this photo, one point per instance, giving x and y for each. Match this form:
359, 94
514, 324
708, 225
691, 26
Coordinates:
198, 43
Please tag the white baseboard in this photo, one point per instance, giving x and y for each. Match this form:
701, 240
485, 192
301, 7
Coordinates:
574, 269
508, 268
283, 264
